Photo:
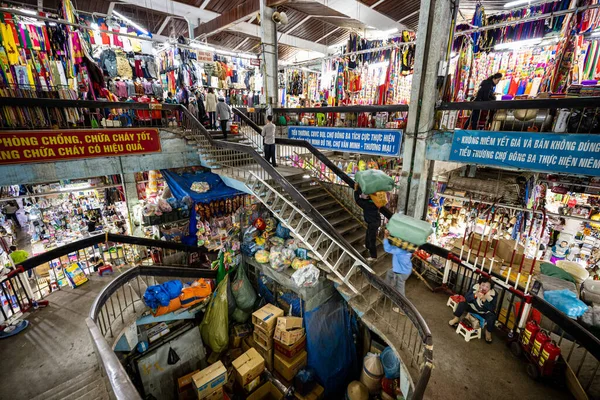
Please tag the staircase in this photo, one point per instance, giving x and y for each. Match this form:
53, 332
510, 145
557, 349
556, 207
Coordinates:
89, 385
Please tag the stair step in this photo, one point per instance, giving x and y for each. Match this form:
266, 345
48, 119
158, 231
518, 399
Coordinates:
347, 227
316, 196
67, 387
355, 236
325, 204
91, 391
341, 218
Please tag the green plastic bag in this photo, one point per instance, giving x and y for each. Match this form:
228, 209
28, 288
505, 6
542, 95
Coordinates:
240, 316
552, 270
409, 229
242, 289
215, 325
374, 180
221, 272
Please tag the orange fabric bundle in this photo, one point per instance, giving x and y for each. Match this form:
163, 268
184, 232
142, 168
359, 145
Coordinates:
174, 305
195, 294
379, 198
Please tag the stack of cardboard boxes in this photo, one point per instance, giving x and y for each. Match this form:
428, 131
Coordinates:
290, 344
265, 321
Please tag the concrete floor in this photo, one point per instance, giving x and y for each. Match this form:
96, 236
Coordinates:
54, 348
474, 370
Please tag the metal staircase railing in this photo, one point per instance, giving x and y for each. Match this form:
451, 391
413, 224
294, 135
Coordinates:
329, 251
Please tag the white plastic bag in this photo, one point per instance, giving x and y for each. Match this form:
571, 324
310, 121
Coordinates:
306, 277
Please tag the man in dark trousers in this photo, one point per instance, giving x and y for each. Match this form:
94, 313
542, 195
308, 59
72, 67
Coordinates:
373, 220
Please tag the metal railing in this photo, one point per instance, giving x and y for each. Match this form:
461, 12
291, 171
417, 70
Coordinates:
379, 116
564, 115
136, 258
119, 304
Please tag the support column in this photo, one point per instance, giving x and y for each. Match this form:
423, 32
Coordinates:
131, 199
431, 50
268, 36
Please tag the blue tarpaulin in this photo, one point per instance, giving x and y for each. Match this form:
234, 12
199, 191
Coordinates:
180, 186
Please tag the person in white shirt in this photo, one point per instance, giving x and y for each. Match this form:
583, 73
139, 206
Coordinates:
268, 133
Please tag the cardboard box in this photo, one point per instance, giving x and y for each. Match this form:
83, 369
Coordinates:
210, 379
185, 382
267, 354
249, 388
266, 317
268, 391
238, 333
216, 395
289, 368
289, 330
315, 394
248, 366
290, 351
263, 338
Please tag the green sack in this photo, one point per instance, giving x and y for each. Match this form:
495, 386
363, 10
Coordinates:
409, 229
374, 180
215, 325
243, 292
552, 270
240, 316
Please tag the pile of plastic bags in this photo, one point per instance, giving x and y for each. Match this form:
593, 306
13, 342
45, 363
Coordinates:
200, 187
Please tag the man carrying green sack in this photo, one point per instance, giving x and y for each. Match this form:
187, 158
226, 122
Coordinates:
373, 220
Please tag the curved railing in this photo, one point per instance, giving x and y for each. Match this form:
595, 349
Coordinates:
145, 255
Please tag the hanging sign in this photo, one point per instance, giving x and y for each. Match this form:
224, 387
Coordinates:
570, 153
20, 147
383, 142
255, 62
205, 57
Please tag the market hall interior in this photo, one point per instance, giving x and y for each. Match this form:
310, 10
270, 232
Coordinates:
270, 199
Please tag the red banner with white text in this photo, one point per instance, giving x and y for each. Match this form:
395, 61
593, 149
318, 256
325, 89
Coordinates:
19, 147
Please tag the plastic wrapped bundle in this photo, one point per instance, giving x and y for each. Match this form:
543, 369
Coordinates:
567, 302
409, 229
306, 277
277, 258
262, 256
373, 180
242, 289
298, 263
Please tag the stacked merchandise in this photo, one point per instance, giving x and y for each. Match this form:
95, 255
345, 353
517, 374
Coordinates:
564, 52
302, 88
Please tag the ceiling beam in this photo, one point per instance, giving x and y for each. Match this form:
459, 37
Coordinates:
293, 28
377, 3
163, 25
327, 34
408, 16
241, 44
360, 12
228, 18
177, 9
204, 4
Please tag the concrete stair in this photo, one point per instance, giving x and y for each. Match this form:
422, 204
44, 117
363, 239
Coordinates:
89, 385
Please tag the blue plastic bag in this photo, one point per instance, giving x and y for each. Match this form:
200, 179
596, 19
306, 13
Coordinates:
282, 231
567, 302
391, 364
161, 295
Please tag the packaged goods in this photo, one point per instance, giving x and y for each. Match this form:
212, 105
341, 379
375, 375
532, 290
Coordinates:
288, 368
248, 366
373, 180
266, 317
210, 380
409, 229
289, 330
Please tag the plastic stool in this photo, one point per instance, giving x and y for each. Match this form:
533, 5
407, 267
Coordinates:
471, 333
454, 300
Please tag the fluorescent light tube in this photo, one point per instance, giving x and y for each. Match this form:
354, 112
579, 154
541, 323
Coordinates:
130, 22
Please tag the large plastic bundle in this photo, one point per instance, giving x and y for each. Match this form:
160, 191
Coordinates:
567, 302
161, 295
391, 364
262, 256
244, 293
374, 180
215, 325
409, 229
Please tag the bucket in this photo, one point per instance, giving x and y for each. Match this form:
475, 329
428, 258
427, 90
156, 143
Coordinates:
235, 129
372, 372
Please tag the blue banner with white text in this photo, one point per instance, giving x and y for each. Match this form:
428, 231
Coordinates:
383, 142
570, 153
